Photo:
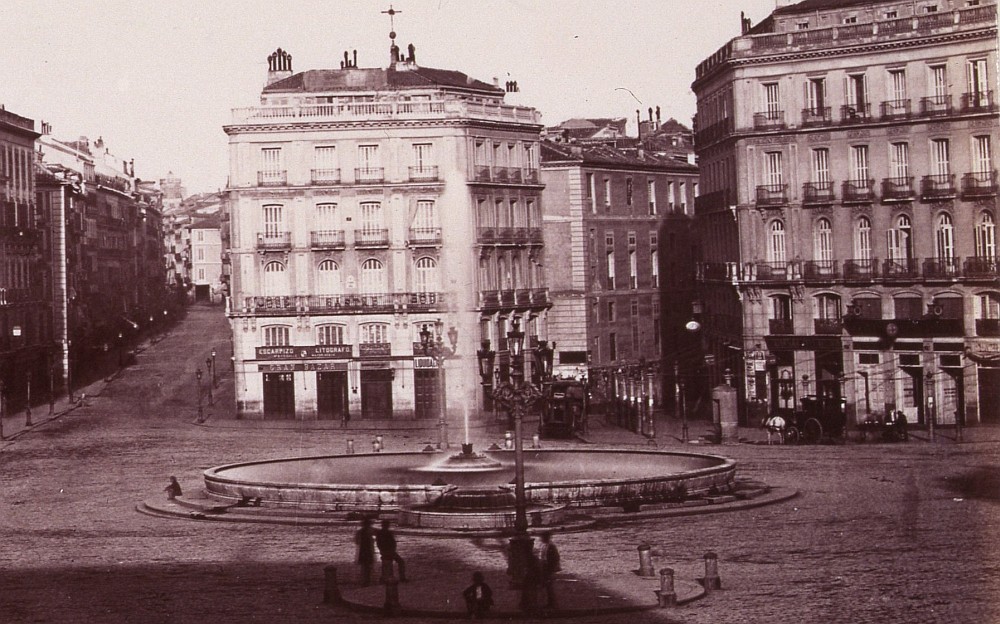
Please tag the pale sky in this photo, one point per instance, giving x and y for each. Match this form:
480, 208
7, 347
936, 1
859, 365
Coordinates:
157, 79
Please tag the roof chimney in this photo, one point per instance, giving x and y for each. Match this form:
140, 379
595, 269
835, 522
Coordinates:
279, 66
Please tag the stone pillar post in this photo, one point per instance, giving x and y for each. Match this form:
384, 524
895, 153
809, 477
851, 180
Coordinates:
645, 561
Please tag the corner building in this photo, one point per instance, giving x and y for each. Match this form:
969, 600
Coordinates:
365, 204
848, 218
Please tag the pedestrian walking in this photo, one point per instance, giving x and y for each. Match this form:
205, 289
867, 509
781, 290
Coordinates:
478, 597
386, 542
549, 563
365, 540
173, 490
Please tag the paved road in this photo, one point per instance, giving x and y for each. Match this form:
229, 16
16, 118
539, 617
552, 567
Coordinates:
881, 533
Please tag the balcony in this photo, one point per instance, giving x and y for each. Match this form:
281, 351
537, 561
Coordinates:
982, 268
780, 326
772, 195
507, 298
540, 296
369, 175
815, 271
522, 297
9, 296
326, 176
531, 176
858, 192
272, 178
486, 235
535, 236
271, 306
978, 102
489, 299
860, 271
813, 117
482, 173
423, 300
361, 303
855, 114
942, 268
424, 173
370, 238
935, 106
274, 240
935, 187
770, 120
423, 237
772, 271
827, 326
327, 239
980, 184
397, 110
897, 189
817, 193
903, 269
895, 109
988, 327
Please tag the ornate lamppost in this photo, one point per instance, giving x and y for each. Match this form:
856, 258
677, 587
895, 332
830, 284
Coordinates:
211, 369
487, 359
201, 414
432, 345
215, 379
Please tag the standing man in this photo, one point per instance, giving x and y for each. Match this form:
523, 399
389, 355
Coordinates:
386, 543
365, 539
549, 561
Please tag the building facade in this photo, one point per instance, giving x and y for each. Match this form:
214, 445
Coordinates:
612, 215
849, 208
206, 259
366, 204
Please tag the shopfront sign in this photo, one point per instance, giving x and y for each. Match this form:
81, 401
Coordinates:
315, 352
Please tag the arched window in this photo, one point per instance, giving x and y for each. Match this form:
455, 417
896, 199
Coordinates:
426, 276
372, 277
276, 336
504, 274
326, 217
275, 279
330, 335
776, 242
945, 236
328, 278
828, 307
988, 308
485, 283
374, 333
823, 241
900, 242
986, 236
863, 240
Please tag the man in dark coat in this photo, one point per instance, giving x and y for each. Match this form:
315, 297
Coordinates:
478, 597
386, 543
364, 538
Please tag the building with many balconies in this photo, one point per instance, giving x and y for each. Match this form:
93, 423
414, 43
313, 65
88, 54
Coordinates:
366, 204
849, 208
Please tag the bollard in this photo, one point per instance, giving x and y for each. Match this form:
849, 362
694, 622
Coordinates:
535, 441
508, 440
667, 595
392, 596
350, 447
381, 442
376, 446
712, 580
331, 592
646, 561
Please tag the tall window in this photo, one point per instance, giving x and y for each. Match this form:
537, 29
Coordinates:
591, 191
776, 242
374, 333
371, 217
772, 100
682, 192
612, 346
939, 83
607, 195
275, 279
857, 92
945, 237
330, 335
979, 84
859, 163
651, 193
816, 95
633, 269
425, 218
821, 166
609, 243
426, 276
899, 160
328, 278
325, 164
654, 266
982, 157
823, 240
530, 161
271, 169
986, 236
671, 197
628, 191
369, 163
276, 336
372, 277
773, 168
274, 221
422, 157
900, 241
611, 312
781, 307
828, 307
863, 239
988, 306
326, 217
940, 159
897, 85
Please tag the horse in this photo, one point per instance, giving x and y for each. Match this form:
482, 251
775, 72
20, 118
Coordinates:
775, 425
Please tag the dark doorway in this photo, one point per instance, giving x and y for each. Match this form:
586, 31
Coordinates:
279, 395
376, 393
202, 292
989, 398
829, 370
331, 396
912, 400
425, 392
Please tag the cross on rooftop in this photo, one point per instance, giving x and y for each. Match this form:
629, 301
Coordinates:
392, 25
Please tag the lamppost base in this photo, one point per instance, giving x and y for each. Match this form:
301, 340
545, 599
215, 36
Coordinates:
520, 551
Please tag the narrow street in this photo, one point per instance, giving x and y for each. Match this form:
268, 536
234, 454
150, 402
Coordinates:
881, 533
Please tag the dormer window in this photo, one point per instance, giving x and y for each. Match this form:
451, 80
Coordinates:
931, 8
851, 19
891, 14
802, 25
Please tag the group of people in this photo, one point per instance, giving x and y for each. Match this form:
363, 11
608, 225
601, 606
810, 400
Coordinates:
539, 573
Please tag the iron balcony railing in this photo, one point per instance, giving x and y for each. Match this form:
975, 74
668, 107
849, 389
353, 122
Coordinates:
328, 239
424, 236
780, 326
272, 178
978, 102
895, 109
988, 327
772, 194
940, 186
819, 270
371, 237
817, 193
486, 235
982, 267
979, 184
860, 270
482, 173
326, 176
942, 268
897, 189
364, 175
426, 173
819, 116
935, 106
274, 240
858, 191
772, 271
900, 269
828, 326
769, 120
856, 113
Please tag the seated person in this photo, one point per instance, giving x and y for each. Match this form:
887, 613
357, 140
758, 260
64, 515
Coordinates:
478, 596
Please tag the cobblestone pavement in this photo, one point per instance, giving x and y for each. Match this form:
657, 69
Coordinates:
881, 533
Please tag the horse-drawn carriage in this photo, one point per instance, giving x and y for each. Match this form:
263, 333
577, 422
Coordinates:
819, 417
564, 412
